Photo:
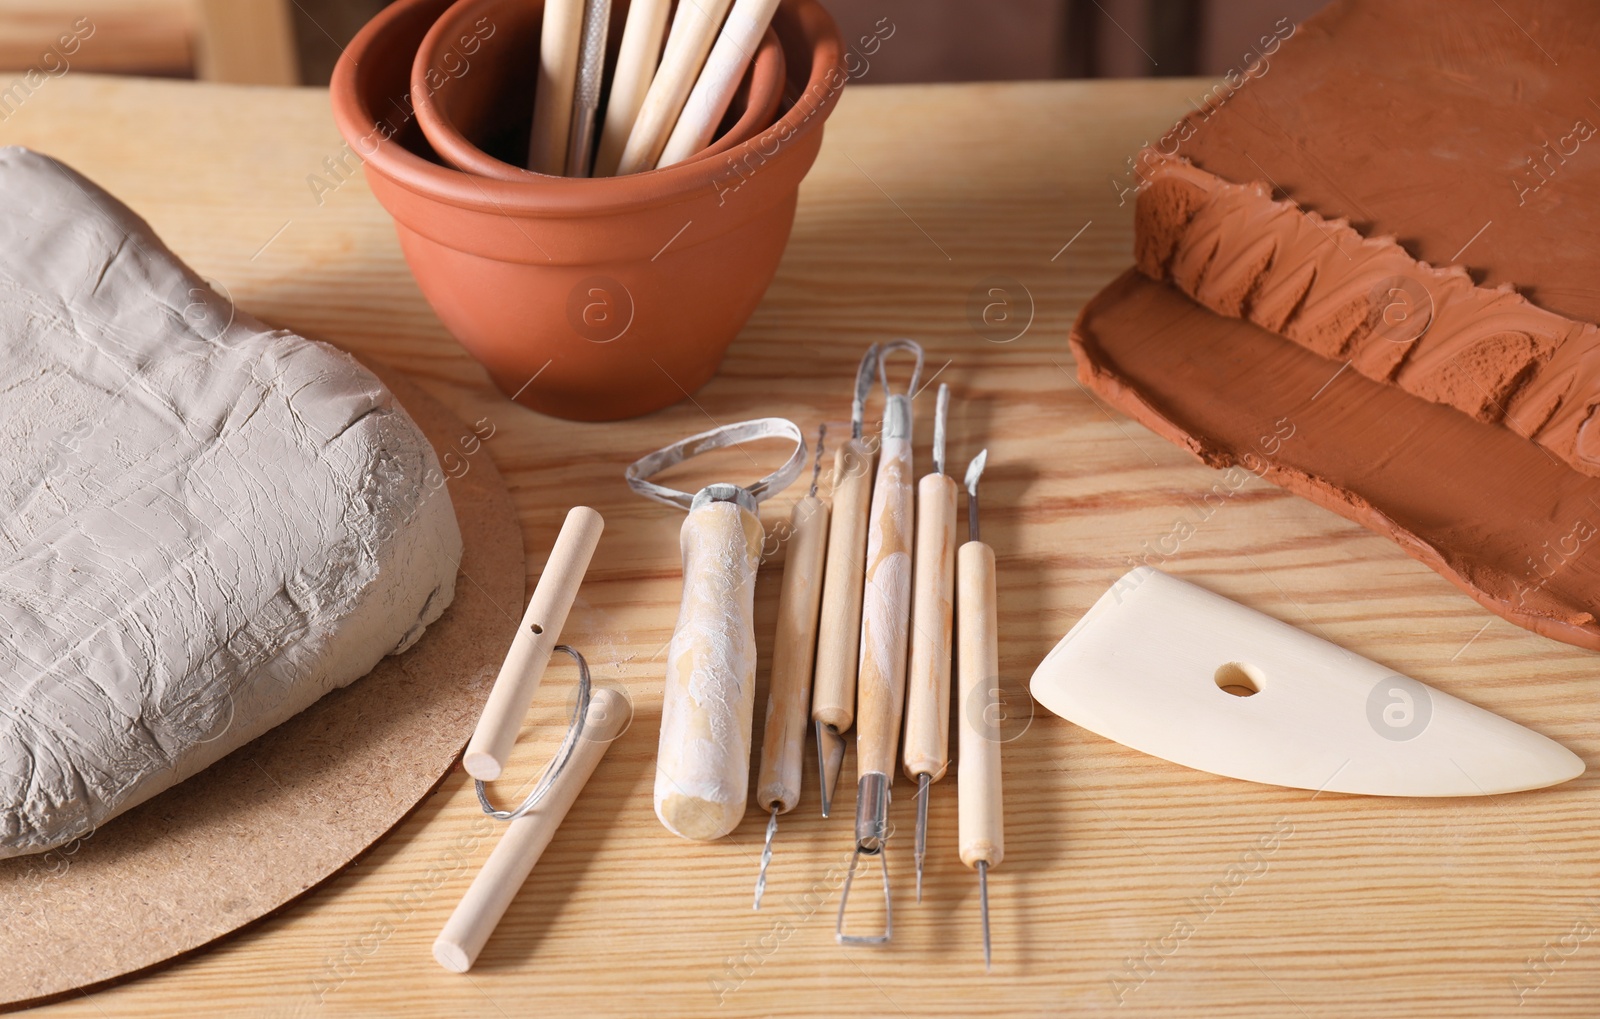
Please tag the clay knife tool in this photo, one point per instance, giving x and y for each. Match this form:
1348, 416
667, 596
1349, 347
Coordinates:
586, 94
926, 753
885, 622
1179, 672
703, 763
783, 741
833, 694
536, 635
978, 802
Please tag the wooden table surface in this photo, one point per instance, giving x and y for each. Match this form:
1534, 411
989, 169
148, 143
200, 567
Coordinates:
1129, 884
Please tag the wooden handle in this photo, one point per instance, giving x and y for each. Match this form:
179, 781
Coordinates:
559, 40
885, 612
783, 739
718, 80
927, 747
703, 765
693, 29
982, 834
525, 838
636, 65
833, 695
538, 633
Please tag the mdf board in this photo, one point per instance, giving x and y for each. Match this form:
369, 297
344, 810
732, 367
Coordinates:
976, 219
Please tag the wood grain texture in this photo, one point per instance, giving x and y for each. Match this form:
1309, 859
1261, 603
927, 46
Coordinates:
1126, 878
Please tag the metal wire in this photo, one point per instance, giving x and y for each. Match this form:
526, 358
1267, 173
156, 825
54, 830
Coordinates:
910, 347
552, 770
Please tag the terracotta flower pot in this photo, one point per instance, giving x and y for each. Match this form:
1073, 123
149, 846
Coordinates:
590, 299
472, 80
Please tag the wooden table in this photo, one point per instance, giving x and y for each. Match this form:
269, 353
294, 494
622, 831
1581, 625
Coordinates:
1129, 883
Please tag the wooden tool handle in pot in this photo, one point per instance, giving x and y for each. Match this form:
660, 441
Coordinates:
703, 765
833, 696
981, 826
793, 653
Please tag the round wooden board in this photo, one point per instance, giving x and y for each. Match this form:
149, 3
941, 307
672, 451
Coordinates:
282, 814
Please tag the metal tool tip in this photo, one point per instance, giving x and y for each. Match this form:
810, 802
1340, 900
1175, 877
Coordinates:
941, 417
975, 471
983, 906
844, 897
766, 858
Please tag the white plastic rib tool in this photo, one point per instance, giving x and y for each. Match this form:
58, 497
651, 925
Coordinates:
885, 628
703, 764
1181, 673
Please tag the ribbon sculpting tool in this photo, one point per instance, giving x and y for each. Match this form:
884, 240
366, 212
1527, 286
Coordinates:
926, 753
981, 822
783, 741
885, 623
833, 694
703, 763
597, 721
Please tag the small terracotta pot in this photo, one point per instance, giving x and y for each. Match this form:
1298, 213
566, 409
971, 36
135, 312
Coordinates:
473, 83
591, 298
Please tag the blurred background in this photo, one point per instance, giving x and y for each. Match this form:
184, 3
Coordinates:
283, 42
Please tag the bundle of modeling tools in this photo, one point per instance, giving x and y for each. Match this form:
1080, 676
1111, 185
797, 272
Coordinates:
664, 102
865, 617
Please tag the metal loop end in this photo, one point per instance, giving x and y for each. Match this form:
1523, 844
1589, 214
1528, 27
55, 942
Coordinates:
557, 763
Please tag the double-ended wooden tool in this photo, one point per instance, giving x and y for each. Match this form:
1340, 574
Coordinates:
536, 636
981, 822
926, 753
783, 740
598, 720
703, 764
885, 623
833, 695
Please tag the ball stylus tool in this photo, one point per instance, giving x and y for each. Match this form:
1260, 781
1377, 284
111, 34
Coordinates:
783, 740
885, 623
703, 764
926, 753
833, 695
978, 803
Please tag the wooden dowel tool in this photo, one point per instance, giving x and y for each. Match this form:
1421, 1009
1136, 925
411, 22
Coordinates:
719, 79
536, 636
559, 39
703, 763
636, 65
978, 800
783, 742
693, 30
927, 740
885, 623
586, 94
833, 695
525, 839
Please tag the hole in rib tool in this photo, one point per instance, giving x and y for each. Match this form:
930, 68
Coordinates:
783, 741
926, 754
833, 694
981, 821
885, 622
596, 721
703, 764
525, 663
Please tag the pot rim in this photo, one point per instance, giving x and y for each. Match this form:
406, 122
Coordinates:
560, 197
455, 148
